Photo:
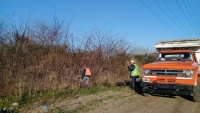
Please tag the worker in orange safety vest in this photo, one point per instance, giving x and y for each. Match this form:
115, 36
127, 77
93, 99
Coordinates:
86, 74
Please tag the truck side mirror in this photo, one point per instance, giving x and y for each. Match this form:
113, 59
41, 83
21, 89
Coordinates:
146, 56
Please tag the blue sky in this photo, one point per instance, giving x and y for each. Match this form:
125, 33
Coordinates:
142, 22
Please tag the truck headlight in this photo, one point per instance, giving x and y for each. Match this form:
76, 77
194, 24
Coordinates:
187, 73
146, 72
145, 80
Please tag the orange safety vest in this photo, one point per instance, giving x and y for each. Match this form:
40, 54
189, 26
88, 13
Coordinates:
88, 72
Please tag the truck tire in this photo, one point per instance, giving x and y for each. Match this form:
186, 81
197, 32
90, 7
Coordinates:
196, 91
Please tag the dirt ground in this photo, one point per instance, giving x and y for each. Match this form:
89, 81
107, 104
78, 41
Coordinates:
121, 101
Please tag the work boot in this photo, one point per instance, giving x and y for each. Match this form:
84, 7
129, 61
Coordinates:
87, 86
133, 86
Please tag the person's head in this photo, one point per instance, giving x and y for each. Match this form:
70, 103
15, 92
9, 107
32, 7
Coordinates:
132, 62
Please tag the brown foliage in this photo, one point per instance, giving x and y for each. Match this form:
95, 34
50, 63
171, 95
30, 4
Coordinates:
48, 59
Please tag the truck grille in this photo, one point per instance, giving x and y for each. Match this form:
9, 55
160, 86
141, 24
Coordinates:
166, 72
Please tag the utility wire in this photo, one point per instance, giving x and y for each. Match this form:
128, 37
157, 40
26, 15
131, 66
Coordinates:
170, 17
160, 18
186, 16
177, 18
191, 17
193, 14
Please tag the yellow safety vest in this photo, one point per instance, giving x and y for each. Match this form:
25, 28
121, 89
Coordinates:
136, 71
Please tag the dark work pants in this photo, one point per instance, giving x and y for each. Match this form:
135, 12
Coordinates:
133, 80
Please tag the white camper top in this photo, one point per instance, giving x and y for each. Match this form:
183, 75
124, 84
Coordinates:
187, 44
178, 43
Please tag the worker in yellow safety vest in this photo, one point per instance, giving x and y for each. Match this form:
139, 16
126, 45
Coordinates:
134, 73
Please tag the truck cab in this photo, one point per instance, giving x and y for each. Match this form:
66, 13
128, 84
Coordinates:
175, 71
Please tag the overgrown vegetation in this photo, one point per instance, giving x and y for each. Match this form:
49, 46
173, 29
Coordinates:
46, 59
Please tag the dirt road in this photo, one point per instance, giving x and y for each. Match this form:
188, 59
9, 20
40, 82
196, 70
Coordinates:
155, 104
121, 101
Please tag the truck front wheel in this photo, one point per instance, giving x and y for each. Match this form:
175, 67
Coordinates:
196, 91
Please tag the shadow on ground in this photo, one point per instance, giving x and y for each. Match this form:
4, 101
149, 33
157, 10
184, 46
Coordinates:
138, 88
189, 98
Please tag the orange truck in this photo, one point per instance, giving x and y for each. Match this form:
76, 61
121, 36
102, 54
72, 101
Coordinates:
175, 71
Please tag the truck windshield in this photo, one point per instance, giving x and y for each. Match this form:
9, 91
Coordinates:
175, 56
